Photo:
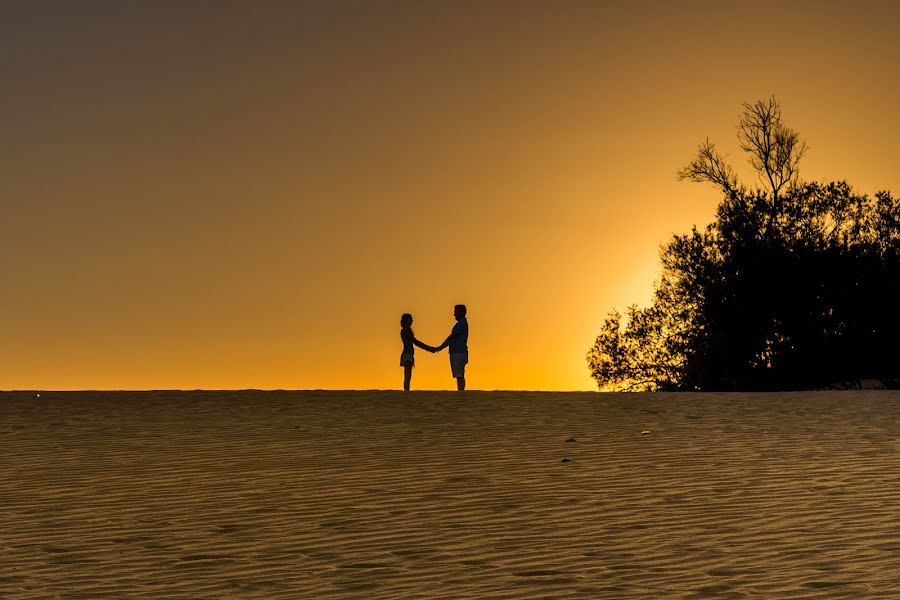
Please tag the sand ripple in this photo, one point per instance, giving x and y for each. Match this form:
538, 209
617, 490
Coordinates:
439, 495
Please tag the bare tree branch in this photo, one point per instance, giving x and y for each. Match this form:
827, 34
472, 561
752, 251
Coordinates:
775, 149
710, 166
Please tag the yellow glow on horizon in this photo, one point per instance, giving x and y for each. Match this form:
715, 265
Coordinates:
253, 201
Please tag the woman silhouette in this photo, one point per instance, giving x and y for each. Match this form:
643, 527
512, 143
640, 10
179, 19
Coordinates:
407, 357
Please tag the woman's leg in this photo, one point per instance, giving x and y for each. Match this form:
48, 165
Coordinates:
407, 376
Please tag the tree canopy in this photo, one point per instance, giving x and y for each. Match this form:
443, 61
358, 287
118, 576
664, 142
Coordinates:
793, 286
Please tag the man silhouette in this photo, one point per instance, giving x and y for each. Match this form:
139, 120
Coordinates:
459, 350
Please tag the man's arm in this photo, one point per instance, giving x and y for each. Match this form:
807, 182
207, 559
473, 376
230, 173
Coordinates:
446, 343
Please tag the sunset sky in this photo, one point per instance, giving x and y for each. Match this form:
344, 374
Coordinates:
250, 194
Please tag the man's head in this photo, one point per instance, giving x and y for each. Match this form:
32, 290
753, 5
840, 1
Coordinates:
459, 311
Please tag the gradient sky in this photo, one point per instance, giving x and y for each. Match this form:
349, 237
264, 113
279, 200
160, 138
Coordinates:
249, 194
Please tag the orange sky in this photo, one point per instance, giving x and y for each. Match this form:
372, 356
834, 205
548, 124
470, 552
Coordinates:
236, 194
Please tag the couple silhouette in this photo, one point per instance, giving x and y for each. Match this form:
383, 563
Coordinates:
457, 342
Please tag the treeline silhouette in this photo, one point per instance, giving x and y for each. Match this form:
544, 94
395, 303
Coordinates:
793, 286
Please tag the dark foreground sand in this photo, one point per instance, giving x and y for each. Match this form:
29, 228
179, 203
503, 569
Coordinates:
445, 495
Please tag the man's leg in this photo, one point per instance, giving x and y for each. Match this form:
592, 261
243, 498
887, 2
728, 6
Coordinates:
458, 370
407, 375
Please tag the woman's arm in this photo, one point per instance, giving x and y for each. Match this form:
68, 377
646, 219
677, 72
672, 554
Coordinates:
422, 346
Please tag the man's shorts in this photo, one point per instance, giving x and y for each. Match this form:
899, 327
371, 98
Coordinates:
407, 358
458, 364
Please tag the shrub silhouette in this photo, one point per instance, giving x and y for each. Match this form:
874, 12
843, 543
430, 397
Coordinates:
793, 286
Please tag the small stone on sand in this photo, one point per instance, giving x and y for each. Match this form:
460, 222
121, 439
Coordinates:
566, 460
571, 440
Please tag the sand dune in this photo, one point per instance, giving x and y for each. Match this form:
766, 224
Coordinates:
445, 495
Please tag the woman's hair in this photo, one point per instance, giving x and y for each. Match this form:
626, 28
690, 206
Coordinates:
406, 320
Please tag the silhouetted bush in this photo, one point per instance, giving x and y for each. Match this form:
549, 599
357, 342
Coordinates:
793, 286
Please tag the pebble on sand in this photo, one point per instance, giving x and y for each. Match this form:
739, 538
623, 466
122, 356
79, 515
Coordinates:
566, 460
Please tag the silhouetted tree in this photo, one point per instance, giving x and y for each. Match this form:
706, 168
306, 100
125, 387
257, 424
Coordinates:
794, 284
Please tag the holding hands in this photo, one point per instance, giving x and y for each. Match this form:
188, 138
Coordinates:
425, 346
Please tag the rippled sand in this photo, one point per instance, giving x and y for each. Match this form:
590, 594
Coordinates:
446, 495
